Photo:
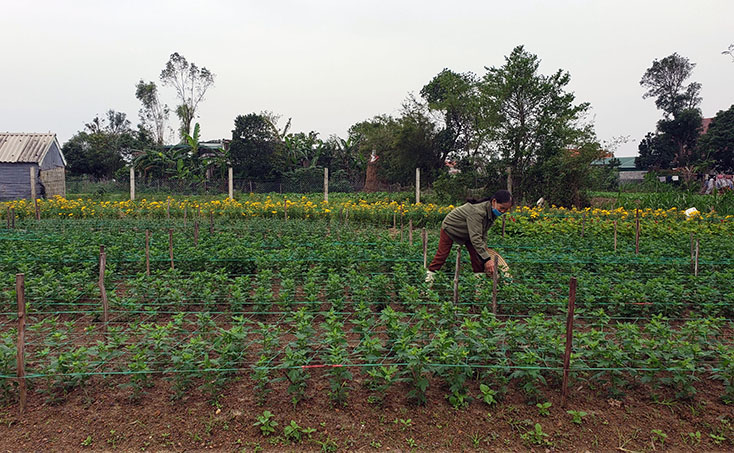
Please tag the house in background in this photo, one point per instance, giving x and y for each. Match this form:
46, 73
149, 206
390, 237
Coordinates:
22, 153
628, 171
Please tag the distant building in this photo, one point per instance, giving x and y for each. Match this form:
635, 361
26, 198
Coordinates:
22, 153
628, 171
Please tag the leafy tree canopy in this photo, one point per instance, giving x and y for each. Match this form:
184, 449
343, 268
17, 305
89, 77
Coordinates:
717, 144
665, 81
191, 84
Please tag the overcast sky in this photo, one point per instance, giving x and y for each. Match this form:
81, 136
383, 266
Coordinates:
329, 64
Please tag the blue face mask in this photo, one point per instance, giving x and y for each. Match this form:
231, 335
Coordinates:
496, 212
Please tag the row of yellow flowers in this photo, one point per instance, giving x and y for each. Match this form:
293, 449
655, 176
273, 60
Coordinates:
303, 207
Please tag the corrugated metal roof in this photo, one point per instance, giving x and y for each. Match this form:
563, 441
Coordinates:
30, 148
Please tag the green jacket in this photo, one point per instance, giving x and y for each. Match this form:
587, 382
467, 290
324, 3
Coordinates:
469, 223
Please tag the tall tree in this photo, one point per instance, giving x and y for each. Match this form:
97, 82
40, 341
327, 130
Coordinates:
254, 147
190, 83
154, 114
453, 97
530, 117
717, 144
666, 79
104, 146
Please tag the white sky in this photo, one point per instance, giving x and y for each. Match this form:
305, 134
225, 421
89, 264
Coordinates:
331, 63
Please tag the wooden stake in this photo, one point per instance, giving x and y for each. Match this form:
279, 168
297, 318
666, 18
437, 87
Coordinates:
170, 245
569, 339
695, 267
8, 216
250, 186
394, 221
12, 218
456, 275
147, 253
503, 227
168, 210
692, 256
495, 281
20, 294
38, 211
102, 289
637, 232
401, 226
424, 238
583, 225
196, 233
615, 236
186, 212
285, 209
410, 232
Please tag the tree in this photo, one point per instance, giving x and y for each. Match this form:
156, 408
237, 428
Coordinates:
454, 97
729, 51
717, 144
530, 118
254, 147
190, 83
154, 114
104, 146
665, 81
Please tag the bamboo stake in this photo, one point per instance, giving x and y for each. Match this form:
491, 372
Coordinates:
394, 221
495, 281
8, 216
147, 253
20, 294
583, 225
196, 233
285, 209
102, 289
12, 218
168, 210
695, 268
456, 275
569, 339
424, 238
186, 212
410, 232
401, 226
170, 245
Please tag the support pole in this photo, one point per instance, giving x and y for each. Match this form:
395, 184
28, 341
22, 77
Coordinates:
196, 233
147, 253
424, 238
637, 232
410, 232
132, 184
20, 294
456, 275
170, 245
12, 218
695, 267
326, 185
692, 252
33, 183
583, 225
417, 185
615, 236
7, 210
231, 184
569, 339
102, 289
285, 209
168, 209
495, 281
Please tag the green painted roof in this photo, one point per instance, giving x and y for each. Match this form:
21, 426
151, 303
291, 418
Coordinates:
625, 163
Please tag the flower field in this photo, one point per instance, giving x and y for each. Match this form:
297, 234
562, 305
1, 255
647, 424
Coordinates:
308, 301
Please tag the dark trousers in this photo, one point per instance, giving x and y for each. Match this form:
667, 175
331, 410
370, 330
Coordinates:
444, 247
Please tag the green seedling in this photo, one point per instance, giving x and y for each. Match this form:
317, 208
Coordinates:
578, 416
544, 408
266, 423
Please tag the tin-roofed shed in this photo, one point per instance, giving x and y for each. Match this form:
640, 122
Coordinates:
22, 153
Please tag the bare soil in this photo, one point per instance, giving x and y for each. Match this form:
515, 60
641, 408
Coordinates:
100, 417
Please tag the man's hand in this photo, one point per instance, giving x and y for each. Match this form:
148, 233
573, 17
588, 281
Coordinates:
489, 267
